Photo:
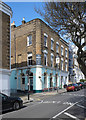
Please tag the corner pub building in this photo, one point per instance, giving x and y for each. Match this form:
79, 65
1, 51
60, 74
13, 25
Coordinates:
39, 57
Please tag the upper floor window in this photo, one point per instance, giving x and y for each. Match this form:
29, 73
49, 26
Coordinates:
57, 61
52, 44
29, 40
62, 50
45, 59
65, 52
52, 60
45, 39
29, 59
61, 64
65, 66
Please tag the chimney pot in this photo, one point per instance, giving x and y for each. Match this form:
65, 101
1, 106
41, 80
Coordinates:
23, 21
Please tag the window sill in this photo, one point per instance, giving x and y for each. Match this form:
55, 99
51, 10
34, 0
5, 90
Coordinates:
29, 45
52, 49
57, 52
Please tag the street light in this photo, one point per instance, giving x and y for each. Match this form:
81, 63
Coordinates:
28, 72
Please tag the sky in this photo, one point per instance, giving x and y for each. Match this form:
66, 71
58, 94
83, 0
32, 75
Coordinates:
24, 9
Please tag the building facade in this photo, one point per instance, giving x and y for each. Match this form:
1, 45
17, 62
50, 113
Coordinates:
75, 74
39, 57
5, 49
76, 70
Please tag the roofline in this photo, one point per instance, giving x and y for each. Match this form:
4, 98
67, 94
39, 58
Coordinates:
5, 8
47, 26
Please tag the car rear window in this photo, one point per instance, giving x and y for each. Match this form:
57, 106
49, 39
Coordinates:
70, 85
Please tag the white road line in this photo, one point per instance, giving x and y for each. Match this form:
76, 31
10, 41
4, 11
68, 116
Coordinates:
51, 102
81, 106
66, 109
71, 116
72, 94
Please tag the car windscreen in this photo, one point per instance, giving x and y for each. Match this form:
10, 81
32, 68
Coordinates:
75, 85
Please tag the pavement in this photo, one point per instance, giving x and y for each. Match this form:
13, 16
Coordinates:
39, 96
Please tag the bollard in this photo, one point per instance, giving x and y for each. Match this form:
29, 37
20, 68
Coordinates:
28, 95
57, 89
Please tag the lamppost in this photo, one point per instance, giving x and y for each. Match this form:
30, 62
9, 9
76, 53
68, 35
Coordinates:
57, 66
28, 72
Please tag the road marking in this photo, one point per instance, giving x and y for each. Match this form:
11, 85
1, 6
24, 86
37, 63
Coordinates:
71, 116
51, 102
72, 94
68, 103
66, 109
81, 106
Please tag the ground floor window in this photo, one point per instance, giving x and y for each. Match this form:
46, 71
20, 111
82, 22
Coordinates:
56, 76
45, 80
31, 82
61, 81
51, 80
23, 79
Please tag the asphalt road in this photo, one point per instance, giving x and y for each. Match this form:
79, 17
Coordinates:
68, 105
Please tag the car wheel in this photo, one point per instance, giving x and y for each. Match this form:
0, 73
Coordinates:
16, 105
75, 89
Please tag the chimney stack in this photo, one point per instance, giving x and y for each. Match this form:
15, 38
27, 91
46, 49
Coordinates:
13, 24
23, 21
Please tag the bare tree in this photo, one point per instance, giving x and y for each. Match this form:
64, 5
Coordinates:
68, 19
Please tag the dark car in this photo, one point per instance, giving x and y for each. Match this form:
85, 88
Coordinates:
72, 87
81, 85
8, 103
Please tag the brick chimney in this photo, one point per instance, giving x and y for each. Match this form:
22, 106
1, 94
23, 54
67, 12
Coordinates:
23, 21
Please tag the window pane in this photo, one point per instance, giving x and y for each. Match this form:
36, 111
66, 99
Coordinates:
57, 47
51, 61
45, 59
45, 41
29, 40
52, 44
30, 60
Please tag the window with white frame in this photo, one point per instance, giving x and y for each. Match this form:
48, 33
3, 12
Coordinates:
52, 43
45, 59
57, 61
29, 59
61, 64
52, 60
45, 39
65, 66
62, 50
65, 52
29, 40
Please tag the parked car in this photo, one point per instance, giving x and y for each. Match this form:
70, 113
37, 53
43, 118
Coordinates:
8, 103
72, 87
81, 85
84, 84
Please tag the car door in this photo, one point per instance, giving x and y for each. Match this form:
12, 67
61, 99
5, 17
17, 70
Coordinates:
0, 104
6, 103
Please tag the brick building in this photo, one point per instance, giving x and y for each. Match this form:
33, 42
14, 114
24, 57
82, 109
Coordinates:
5, 49
40, 52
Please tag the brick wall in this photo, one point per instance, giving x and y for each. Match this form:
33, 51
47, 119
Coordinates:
36, 28
5, 40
